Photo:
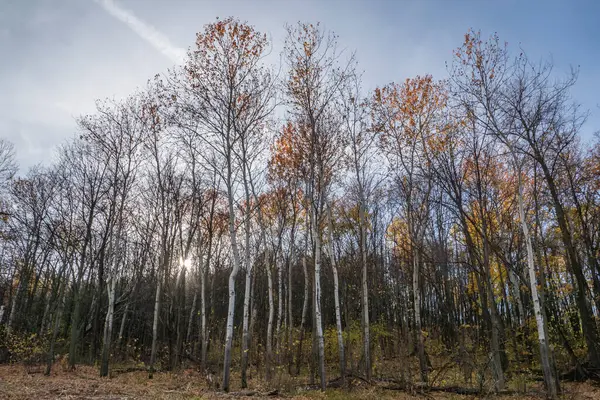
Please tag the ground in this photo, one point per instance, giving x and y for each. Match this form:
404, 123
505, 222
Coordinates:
19, 383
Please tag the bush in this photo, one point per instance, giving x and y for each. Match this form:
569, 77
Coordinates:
22, 348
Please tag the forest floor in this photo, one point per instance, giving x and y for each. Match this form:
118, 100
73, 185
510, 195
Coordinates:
19, 383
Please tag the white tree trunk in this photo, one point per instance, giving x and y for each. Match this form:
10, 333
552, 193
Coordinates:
154, 348
279, 309
365, 291
245, 326
108, 325
317, 310
336, 296
229, 330
231, 285
290, 325
547, 367
123, 319
204, 344
247, 291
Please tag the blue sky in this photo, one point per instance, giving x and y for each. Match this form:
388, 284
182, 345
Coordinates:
58, 56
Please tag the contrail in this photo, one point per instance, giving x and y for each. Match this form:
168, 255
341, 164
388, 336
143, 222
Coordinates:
147, 32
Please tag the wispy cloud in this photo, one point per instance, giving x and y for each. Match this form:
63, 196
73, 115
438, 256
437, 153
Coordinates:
147, 32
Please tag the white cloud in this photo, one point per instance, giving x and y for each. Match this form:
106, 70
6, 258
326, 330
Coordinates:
147, 32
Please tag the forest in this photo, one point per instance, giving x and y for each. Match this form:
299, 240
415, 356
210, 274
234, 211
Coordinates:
271, 225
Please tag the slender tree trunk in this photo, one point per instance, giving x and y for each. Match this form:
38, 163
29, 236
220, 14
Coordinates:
548, 369
247, 292
95, 309
188, 335
314, 352
122, 327
317, 309
514, 283
418, 323
245, 328
13, 308
269, 354
231, 284
252, 312
157, 305
179, 318
32, 292
336, 296
21, 287
279, 310
108, 325
56, 326
43, 326
304, 314
290, 308
203, 316
365, 292
75, 323
495, 323
487, 309
499, 380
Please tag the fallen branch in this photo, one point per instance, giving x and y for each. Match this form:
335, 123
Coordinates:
252, 393
129, 369
350, 375
447, 389
581, 373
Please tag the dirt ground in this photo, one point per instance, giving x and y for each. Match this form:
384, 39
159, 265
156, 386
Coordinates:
16, 383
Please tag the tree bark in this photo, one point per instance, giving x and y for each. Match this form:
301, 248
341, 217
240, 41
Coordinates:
269, 354
56, 326
75, 323
291, 261
188, 335
336, 295
365, 291
108, 325
550, 379
304, 314
418, 323
245, 328
123, 320
279, 310
317, 309
204, 343
231, 284
157, 305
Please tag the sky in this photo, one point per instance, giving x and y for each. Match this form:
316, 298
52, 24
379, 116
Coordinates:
58, 56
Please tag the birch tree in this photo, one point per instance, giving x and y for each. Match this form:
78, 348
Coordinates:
231, 96
316, 74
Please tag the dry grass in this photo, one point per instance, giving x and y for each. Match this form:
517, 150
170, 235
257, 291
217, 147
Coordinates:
84, 383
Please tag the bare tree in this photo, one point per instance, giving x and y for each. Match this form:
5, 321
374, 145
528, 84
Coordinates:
230, 94
312, 87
